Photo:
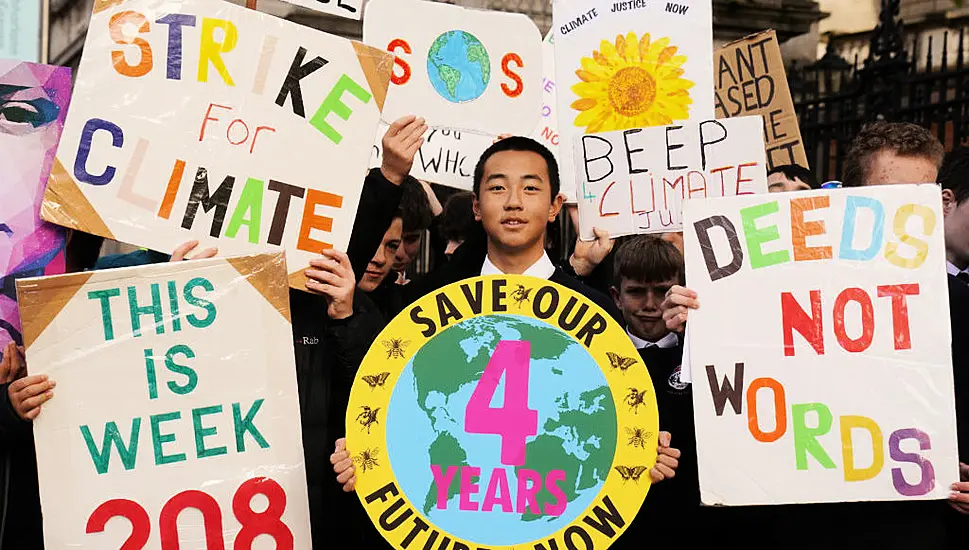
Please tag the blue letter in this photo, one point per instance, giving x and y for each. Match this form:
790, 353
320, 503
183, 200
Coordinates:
848, 252
84, 149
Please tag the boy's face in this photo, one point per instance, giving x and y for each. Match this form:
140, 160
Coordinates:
779, 183
379, 265
515, 203
956, 229
410, 244
888, 168
640, 305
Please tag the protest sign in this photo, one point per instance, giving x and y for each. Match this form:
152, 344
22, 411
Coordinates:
459, 68
22, 30
751, 80
547, 131
204, 120
176, 390
624, 65
351, 9
33, 104
447, 157
566, 457
835, 382
636, 181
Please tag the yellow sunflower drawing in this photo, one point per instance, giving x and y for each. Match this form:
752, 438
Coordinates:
631, 84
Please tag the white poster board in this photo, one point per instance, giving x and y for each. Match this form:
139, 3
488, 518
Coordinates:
448, 156
623, 65
350, 9
459, 68
547, 131
201, 119
636, 181
176, 406
821, 351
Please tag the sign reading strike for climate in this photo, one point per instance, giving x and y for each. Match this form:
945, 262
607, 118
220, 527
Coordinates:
835, 383
163, 412
459, 68
636, 181
751, 80
540, 433
204, 120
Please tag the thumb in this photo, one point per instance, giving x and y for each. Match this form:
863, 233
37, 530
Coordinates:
665, 438
341, 444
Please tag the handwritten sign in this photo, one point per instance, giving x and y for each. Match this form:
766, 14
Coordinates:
459, 68
350, 9
448, 156
163, 412
205, 120
835, 382
751, 80
636, 181
33, 103
564, 458
624, 65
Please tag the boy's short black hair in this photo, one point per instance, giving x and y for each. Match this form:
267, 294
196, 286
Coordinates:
519, 143
796, 171
954, 174
415, 210
648, 259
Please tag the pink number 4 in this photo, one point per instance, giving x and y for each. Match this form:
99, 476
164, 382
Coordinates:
514, 421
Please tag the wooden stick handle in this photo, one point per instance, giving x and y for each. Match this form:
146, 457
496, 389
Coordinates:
251, 4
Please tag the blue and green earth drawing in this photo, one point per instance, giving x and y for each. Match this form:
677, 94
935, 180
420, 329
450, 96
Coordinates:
458, 66
576, 426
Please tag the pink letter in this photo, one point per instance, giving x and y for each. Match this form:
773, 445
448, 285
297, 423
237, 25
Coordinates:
442, 481
469, 488
561, 502
526, 493
498, 477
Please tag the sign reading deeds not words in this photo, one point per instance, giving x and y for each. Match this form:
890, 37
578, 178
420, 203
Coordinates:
540, 433
751, 80
459, 68
636, 181
204, 120
851, 397
162, 407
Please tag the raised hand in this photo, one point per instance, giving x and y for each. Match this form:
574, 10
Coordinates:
183, 249
332, 276
400, 144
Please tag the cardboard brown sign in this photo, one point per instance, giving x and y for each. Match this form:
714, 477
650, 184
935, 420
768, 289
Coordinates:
750, 79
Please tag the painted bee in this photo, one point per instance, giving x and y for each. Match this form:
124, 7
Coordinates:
635, 398
374, 380
367, 459
395, 347
368, 417
619, 362
520, 295
631, 472
638, 437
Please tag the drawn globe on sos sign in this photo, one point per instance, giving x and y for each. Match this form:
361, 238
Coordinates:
502, 412
458, 66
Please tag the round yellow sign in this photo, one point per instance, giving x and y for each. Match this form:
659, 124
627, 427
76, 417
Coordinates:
502, 412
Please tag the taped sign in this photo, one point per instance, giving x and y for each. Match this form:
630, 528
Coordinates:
750, 80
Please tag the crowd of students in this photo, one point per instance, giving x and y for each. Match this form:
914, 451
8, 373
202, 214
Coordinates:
501, 227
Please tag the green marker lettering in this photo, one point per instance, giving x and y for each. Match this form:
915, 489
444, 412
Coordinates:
243, 425
105, 297
201, 432
159, 438
112, 437
756, 238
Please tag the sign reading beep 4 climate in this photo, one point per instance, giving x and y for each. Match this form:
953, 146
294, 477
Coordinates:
502, 412
821, 350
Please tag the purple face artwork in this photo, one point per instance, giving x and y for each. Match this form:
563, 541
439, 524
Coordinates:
33, 105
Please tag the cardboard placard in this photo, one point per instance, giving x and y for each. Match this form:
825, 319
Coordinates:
161, 406
459, 68
624, 65
636, 181
350, 9
205, 120
822, 350
33, 101
751, 80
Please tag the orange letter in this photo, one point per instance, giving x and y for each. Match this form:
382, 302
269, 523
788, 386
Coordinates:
313, 221
519, 85
118, 21
394, 44
780, 410
801, 230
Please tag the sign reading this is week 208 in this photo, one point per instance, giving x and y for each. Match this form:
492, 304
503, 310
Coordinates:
835, 383
163, 413
502, 412
201, 119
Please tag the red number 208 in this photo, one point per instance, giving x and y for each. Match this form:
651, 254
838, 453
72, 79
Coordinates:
268, 522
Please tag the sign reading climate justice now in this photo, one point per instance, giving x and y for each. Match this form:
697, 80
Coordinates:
502, 412
835, 383
176, 409
637, 180
200, 119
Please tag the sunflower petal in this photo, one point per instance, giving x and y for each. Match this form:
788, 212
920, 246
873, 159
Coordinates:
644, 47
621, 46
632, 49
584, 104
586, 76
666, 55
586, 117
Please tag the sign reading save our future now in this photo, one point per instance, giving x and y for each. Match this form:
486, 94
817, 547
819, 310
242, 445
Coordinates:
540, 434
203, 120
836, 383
168, 430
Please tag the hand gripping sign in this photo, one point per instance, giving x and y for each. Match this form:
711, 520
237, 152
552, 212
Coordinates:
502, 411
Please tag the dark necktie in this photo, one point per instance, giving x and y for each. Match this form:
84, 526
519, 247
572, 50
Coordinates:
963, 276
